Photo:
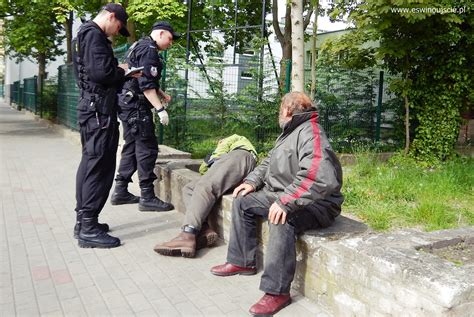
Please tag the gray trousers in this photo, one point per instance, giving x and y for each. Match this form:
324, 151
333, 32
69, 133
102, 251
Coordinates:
226, 173
280, 254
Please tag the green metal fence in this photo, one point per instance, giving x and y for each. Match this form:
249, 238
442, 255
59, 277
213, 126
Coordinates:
220, 98
30, 96
15, 93
68, 96
2, 90
217, 95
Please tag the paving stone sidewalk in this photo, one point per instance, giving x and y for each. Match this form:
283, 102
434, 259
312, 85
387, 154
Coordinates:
44, 272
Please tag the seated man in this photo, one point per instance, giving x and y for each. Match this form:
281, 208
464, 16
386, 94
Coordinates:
230, 162
297, 187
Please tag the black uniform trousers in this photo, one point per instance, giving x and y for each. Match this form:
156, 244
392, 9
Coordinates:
95, 175
140, 151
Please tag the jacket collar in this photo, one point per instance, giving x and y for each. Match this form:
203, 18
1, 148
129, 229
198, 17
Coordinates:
297, 120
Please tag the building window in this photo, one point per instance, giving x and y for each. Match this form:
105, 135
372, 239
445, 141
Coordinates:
246, 75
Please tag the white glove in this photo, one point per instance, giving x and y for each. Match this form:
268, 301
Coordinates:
164, 118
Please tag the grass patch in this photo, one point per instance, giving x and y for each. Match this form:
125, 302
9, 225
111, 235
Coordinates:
400, 194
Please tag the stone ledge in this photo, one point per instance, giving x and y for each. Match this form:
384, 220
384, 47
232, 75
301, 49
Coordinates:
351, 271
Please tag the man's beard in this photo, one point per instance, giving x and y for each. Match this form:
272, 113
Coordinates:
281, 121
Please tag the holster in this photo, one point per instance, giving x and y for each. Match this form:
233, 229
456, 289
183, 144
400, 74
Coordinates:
103, 102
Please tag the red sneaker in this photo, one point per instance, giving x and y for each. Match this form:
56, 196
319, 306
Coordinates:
270, 304
229, 269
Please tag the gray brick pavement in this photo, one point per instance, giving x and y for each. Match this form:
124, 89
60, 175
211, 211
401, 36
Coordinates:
44, 272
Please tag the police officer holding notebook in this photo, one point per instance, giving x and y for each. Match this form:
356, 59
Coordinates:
136, 100
98, 76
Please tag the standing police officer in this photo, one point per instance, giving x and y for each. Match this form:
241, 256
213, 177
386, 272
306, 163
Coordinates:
138, 97
98, 77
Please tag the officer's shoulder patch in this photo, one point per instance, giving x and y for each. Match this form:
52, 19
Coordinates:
154, 71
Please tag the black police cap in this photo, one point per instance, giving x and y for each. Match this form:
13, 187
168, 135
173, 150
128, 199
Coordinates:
163, 25
120, 14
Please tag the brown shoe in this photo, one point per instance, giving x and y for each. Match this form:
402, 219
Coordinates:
206, 237
183, 245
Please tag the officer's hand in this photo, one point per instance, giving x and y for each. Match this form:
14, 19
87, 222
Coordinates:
136, 75
166, 98
124, 67
164, 118
244, 188
276, 213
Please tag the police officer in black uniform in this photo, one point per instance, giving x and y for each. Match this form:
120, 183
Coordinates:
136, 100
98, 76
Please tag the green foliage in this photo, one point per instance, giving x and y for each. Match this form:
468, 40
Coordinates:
218, 112
347, 108
401, 193
49, 98
146, 12
430, 51
32, 31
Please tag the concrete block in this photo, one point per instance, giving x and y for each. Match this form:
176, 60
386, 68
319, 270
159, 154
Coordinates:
351, 271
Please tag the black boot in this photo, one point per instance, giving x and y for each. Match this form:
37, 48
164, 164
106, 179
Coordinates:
91, 236
102, 226
121, 196
149, 202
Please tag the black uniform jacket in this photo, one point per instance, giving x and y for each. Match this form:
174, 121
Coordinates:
98, 57
145, 53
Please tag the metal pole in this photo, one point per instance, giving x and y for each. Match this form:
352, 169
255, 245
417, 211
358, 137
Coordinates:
262, 48
186, 72
196, 48
236, 6
273, 63
288, 76
163, 87
379, 108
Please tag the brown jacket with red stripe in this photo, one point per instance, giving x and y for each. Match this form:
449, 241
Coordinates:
301, 168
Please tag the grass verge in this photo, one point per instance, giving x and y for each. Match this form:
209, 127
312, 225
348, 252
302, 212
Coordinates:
400, 194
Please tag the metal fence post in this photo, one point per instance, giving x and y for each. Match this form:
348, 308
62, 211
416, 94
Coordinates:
163, 87
379, 108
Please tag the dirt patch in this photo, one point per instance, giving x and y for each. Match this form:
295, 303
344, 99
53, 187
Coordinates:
460, 253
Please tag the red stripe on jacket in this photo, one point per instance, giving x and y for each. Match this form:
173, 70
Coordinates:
313, 170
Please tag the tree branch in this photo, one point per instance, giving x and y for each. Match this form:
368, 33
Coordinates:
307, 19
288, 21
276, 23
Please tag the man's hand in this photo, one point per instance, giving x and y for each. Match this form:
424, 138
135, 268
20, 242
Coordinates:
126, 69
166, 98
164, 118
244, 188
276, 214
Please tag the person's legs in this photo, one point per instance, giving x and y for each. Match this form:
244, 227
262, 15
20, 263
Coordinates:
95, 177
146, 150
226, 173
200, 197
127, 167
280, 257
242, 246
128, 160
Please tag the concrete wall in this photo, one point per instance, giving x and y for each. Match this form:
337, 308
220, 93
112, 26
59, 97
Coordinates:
351, 271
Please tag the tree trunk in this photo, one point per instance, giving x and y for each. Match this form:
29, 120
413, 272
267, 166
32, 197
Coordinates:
313, 50
40, 79
287, 55
297, 36
133, 35
68, 31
